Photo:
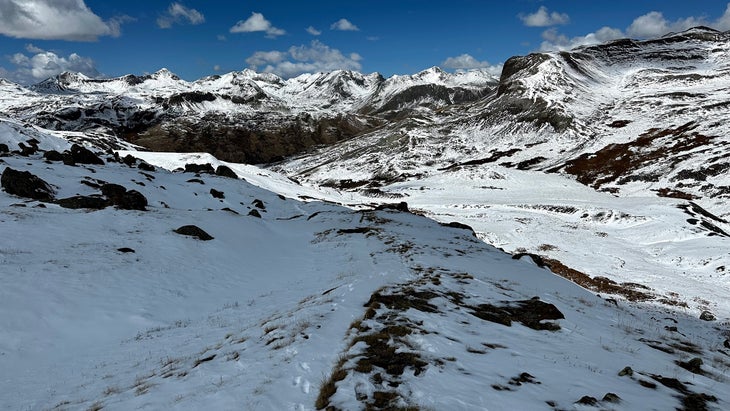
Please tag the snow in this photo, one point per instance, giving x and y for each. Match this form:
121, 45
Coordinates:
258, 317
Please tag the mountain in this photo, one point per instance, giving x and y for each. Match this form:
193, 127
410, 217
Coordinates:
611, 159
233, 290
557, 237
242, 116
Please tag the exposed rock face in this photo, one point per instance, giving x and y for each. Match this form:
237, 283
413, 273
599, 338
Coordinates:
25, 184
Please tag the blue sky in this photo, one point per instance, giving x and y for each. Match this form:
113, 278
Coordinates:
195, 38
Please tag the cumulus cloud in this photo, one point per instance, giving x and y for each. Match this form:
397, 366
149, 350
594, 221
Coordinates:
179, 14
43, 64
344, 25
553, 40
311, 30
54, 20
649, 25
543, 18
303, 59
654, 24
257, 22
468, 62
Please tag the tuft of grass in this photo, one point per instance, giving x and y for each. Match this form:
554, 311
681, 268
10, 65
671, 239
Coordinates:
328, 387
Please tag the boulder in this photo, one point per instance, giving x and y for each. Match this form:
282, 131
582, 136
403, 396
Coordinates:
146, 166
25, 184
225, 171
707, 316
90, 202
259, 204
133, 200
27, 150
199, 168
114, 192
194, 231
82, 155
53, 155
4, 148
254, 213
129, 160
217, 194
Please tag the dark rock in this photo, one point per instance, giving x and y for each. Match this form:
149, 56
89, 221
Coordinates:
217, 194
626, 371
27, 150
587, 400
194, 231
230, 210
129, 160
225, 171
146, 166
4, 148
402, 206
196, 180
726, 343
82, 155
25, 184
133, 200
694, 365
125, 250
114, 192
259, 204
254, 213
456, 224
539, 261
707, 316
68, 159
90, 202
612, 398
199, 168
53, 155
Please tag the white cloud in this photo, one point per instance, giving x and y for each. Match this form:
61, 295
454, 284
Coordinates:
40, 66
653, 24
33, 49
221, 37
344, 25
311, 30
54, 20
217, 67
543, 18
553, 40
723, 23
303, 59
468, 62
649, 25
257, 22
177, 13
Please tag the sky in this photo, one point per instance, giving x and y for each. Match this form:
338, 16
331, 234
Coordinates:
197, 38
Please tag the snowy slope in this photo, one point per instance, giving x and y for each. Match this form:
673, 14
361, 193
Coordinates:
311, 305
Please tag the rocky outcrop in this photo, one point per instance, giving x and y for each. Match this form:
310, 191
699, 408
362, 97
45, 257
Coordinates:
25, 184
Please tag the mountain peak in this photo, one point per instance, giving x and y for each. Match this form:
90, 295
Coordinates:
164, 73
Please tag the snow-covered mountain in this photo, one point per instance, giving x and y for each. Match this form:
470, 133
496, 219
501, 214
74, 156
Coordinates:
163, 112
348, 276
